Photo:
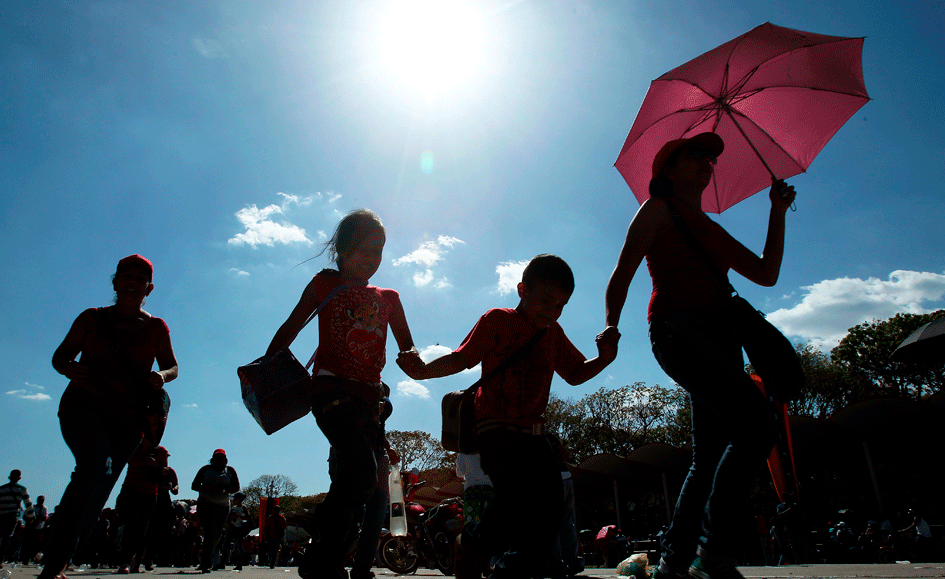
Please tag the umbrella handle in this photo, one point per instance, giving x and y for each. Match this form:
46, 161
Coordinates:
728, 111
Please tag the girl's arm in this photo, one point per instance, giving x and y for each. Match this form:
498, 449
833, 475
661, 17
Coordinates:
63, 360
398, 325
650, 218
765, 270
287, 332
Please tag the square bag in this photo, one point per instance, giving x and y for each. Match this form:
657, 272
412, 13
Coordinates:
275, 389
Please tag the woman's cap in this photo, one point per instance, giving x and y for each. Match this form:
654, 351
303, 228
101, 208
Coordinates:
219, 451
136, 260
710, 141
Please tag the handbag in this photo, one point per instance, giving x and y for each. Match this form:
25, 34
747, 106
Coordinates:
275, 389
772, 355
458, 407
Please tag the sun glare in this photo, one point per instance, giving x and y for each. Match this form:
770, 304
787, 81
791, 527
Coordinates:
431, 47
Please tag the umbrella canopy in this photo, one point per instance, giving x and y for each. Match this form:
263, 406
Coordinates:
927, 344
775, 96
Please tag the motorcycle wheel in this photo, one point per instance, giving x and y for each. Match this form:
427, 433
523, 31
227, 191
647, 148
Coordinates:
400, 555
443, 553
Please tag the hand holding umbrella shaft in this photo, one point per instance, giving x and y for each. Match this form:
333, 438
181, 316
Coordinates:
782, 195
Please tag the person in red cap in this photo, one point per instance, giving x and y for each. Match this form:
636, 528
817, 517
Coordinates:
102, 413
215, 482
732, 427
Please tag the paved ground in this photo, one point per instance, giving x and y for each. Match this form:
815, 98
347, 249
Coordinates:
890, 571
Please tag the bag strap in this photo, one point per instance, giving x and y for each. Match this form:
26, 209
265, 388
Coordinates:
699, 248
509, 361
311, 317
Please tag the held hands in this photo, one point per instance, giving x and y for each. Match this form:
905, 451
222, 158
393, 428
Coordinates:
607, 343
781, 194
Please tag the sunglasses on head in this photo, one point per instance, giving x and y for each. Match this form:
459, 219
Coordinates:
697, 153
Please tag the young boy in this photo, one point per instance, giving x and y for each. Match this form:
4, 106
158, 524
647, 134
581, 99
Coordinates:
523, 520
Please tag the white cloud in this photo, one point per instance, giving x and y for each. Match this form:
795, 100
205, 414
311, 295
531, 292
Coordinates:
447, 241
433, 352
830, 308
29, 393
428, 255
191, 405
300, 201
510, 273
37, 396
208, 48
261, 229
422, 278
413, 389
237, 271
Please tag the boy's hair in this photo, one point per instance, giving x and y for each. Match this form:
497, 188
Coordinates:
550, 269
354, 227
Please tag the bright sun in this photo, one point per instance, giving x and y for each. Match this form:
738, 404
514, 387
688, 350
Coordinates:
431, 46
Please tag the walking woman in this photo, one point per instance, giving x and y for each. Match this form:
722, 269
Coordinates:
102, 411
694, 342
215, 482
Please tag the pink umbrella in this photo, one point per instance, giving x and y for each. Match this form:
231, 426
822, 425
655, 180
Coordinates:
775, 96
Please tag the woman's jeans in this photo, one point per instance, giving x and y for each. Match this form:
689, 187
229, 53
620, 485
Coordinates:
733, 430
135, 509
102, 445
212, 518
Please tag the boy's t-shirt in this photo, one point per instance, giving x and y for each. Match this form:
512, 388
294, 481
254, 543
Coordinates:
520, 394
352, 328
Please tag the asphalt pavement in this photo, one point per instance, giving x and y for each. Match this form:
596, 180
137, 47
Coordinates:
888, 571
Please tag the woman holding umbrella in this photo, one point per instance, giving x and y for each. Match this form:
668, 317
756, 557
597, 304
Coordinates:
694, 342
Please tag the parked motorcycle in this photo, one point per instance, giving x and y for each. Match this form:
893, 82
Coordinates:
430, 540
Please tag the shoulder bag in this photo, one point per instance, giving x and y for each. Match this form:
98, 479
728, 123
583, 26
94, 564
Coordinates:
772, 356
459, 420
275, 388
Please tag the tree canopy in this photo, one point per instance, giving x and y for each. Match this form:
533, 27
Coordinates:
619, 420
420, 450
866, 350
272, 485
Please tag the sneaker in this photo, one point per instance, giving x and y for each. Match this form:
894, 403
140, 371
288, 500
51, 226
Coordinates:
664, 571
575, 566
701, 569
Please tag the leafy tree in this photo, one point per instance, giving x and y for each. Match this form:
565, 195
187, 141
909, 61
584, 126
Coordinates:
419, 449
866, 351
621, 419
272, 485
830, 386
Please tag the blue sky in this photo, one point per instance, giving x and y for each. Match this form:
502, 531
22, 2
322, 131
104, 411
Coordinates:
224, 140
